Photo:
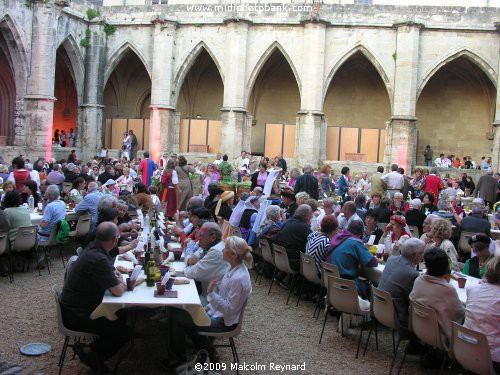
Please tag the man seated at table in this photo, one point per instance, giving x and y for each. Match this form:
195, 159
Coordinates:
348, 215
400, 274
225, 305
204, 269
348, 253
90, 201
53, 213
433, 290
91, 275
477, 221
293, 234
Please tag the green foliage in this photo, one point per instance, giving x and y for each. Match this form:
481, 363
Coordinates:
85, 42
109, 29
92, 13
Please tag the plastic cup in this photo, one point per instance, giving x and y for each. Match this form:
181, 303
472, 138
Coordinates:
385, 256
164, 270
461, 282
40, 206
130, 284
160, 288
170, 283
378, 255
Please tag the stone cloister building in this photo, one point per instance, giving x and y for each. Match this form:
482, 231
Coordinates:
317, 82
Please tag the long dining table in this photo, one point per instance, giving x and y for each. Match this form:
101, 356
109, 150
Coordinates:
36, 217
374, 274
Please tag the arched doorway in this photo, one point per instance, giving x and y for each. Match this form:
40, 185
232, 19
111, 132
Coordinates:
200, 100
127, 96
7, 95
274, 103
455, 112
357, 107
66, 105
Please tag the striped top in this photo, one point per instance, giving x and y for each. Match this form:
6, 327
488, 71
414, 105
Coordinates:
317, 246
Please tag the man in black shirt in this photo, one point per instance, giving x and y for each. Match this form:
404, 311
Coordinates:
108, 174
307, 182
293, 235
90, 276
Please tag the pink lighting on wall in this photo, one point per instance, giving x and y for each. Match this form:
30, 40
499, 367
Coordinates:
154, 134
48, 137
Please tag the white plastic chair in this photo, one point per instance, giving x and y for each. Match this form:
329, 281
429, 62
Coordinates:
67, 333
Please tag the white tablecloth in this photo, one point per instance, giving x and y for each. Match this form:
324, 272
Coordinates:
36, 218
374, 274
143, 296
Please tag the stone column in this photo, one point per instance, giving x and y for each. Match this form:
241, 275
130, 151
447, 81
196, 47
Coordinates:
90, 134
236, 129
39, 101
162, 136
401, 145
495, 156
310, 141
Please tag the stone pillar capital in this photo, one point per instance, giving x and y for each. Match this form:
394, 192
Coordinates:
235, 19
234, 109
314, 21
164, 21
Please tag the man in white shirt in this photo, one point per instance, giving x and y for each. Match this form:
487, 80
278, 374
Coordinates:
242, 160
211, 264
348, 215
362, 182
34, 176
394, 180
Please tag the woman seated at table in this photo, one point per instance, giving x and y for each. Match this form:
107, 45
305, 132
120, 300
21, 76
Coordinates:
76, 193
476, 266
224, 308
272, 224
428, 205
30, 189
259, 177
433, 289
198, 216
7, 186
142, 198
318, 243
16, 215
383, 212
441, 233
398, 204
395, 235
125, 182
249, 215
371, 228
482, 309
375, 201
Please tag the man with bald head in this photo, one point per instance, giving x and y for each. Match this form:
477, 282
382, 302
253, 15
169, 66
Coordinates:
91, 276
90, 202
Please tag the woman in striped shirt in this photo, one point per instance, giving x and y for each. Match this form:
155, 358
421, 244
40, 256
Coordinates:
318, 243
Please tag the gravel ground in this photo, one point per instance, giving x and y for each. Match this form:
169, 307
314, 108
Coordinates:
272, 333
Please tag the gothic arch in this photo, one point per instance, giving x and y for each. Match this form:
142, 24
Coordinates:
16, 51
141, 102
188, 64
76, 63
462, 52
262, 62
370, 57
117, 56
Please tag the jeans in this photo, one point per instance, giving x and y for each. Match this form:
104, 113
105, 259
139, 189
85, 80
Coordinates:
131, 152
180, 323
428, 163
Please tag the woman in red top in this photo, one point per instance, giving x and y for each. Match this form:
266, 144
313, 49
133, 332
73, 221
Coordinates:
20, 175
169, 181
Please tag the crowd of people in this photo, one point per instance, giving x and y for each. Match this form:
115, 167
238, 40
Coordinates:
336, 220
452, 161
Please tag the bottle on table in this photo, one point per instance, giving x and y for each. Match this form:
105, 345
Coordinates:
31, 203
150, 273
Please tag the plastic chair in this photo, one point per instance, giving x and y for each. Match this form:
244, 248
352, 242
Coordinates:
51, 242
67, 333
229, 335
328, 270
470, 349
26, 240
267, 254
82, 227
424, 324
3, 250
463, 242
309, 272
342, 295
384, 313
283, 265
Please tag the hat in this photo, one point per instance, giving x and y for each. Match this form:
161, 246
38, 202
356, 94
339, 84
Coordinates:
227, 195
71, 167
110, 182
288, 192
399, 219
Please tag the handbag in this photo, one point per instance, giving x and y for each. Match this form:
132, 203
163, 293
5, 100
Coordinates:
200, 364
